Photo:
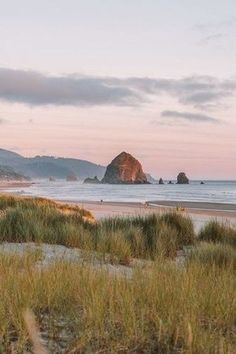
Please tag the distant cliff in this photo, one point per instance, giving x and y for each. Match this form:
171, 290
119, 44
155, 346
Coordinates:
8, 174
124, 169
49, 166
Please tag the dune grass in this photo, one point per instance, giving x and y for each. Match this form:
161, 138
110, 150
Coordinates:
215, 254
41, 220
165, 310
162, 308
217, 232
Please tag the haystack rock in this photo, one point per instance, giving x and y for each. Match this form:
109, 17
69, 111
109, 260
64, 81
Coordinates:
161, 181
182, 178
125, 169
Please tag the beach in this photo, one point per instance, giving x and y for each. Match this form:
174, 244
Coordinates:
5, 185
199, 212
134, 202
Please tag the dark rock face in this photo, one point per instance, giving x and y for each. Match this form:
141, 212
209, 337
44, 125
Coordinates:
125, 169
170, 182
182, 178
71, 178
161, 181
94, 180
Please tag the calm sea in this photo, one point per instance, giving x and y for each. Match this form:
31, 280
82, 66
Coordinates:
211, 191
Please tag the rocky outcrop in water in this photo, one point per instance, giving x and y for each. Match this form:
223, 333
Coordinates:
94, 180
161, 181
71, 178
125, 169
182, 178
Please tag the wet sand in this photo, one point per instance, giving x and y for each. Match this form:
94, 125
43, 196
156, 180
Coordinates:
226, 207
5, 185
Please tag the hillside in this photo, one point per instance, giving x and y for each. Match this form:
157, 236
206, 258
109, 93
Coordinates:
46, 166
8, 174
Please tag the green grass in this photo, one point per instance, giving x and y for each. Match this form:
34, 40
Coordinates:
215, 254
39, 220
218, 233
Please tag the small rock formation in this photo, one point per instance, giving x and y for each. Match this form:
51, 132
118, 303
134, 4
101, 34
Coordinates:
90, 180
182, 178
202, 182
161, 181
52, 179
125, 169
170, 182
71, 178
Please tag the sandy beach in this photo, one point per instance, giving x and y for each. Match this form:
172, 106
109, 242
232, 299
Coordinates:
199, 212
5, 185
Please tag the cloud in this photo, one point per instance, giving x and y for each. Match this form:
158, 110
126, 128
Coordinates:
191, 117
226, 23
215, 31
34, 88
37, 89
215, 37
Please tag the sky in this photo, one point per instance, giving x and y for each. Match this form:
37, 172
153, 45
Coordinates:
89, 79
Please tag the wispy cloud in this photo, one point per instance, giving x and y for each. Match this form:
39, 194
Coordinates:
215, 31
214, 25
191, 117
215, 37
36, 89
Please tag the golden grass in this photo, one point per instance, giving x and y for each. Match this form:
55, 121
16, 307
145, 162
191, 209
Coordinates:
165, 308
168, 309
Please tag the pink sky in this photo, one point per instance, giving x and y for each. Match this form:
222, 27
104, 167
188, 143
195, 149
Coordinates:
154, 78
98, 134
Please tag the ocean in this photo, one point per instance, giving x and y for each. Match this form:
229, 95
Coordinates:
211, 191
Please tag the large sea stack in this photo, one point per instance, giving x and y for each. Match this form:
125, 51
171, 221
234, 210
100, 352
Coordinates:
125, 169
182, 178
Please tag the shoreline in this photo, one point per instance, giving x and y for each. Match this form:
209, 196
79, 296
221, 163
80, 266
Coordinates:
195, 205
200, 216
8, 185
200, 212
